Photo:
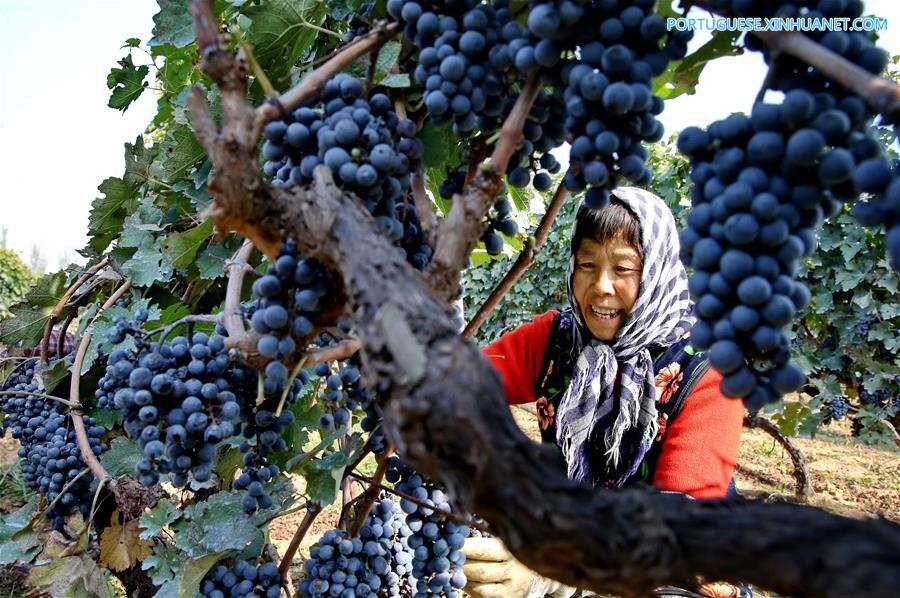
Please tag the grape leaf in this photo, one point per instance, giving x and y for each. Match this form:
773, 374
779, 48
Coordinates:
148, 265
127, 83
323, 476
214, 525
153, 523
69, 577
53, 374
193, 572
26, 325
395, 80
17, 542
441, 147
163, 564
182, 247
120, 544
173, 24
141, 224
339, 10
682, 77
108, 418
179, 150
122, 456
211, 262
108, 212
279, 34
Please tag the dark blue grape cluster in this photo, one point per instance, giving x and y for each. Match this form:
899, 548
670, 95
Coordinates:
435, 541
499, 221
544, 130
179, 399
242, 579
757, 199
49, 451
836, 409
838, 110
609, 105
370, 151
884, 397
377, 563
359, 23
291, 294
465, 49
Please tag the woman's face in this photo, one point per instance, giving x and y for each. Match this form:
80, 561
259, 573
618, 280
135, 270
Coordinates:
606, 284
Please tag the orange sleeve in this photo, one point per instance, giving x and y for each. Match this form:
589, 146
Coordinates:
518, 356
701, 445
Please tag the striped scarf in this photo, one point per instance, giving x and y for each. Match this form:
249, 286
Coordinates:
660, 316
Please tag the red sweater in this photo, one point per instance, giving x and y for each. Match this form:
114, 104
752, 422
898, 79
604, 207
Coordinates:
701, 445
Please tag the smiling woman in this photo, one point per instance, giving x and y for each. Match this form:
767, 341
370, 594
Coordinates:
608, 265
619, 388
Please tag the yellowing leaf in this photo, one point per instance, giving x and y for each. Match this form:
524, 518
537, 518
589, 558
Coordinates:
121, 546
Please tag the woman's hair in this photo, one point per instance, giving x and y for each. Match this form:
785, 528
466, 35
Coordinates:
610, 222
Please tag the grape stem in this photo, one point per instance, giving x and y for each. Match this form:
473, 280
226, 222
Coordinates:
371, 493
258, 72
462, 227
67, 403
882, 95
63, 330
523, 262
65, 489
461, 519
312, 510
63, 301
74, 392
287, 386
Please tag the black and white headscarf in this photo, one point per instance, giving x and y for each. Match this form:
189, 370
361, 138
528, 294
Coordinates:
660, 316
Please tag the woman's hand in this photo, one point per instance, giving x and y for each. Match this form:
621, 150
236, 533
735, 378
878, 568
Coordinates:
493, 572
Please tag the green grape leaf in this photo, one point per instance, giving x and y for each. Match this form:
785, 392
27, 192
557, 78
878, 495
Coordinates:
17, 542
163, 564
182, 247
682, 77
395, 81
141, 224
28, 319
339, 10
323, 476
108, 418
179, 151
215, 525
173, 24
148, 265
108, 213
441, 147
53, 373
161, 515
194, 570
122, 457
279, 33
127, 83
211, 262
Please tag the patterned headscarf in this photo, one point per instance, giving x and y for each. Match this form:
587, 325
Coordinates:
660, 316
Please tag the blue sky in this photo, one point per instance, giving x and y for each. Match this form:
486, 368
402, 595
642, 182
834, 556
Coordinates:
59, 140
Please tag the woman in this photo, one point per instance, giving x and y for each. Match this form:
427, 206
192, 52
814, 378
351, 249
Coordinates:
618, 387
